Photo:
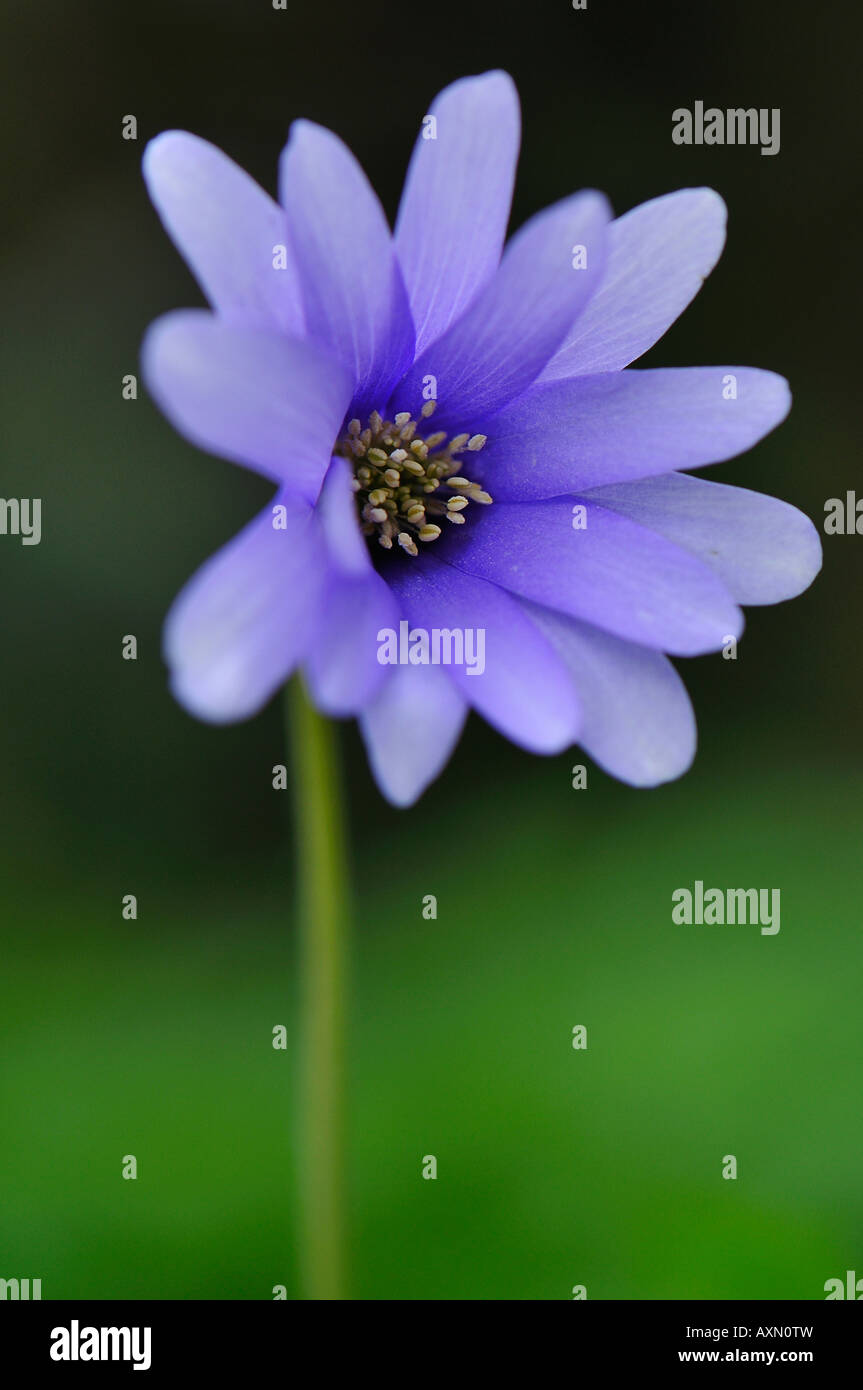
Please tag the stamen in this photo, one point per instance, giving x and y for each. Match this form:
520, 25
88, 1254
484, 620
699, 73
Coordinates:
395, 472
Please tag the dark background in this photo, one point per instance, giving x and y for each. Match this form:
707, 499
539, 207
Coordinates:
153, 1037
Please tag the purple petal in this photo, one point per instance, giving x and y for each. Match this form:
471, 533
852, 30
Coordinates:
355, 300
638, 722
337, 516
565, 436
411, 729
506, 337
242, 623
659, 254
342, 668
613, 573
459, 181
520, 685
229, 231
275, 404
762, 549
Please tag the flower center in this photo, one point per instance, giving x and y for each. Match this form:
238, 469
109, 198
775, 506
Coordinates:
406, 483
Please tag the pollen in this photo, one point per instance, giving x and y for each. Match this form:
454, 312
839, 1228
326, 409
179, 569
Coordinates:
405, 482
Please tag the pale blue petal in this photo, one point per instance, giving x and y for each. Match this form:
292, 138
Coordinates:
658, 258
243, 622
355, 301
272, 403
342, 667
455, 206
518, 681
565, 436
638, 722
613, 573
503, 341
762, 549
411, 729
232, 235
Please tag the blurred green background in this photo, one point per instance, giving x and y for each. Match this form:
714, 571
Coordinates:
153, 1037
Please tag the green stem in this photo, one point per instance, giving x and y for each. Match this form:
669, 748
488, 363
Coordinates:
322, 880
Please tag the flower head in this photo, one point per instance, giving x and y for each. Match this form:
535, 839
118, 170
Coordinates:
458, 446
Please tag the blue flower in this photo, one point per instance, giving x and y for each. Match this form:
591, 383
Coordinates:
456, 444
